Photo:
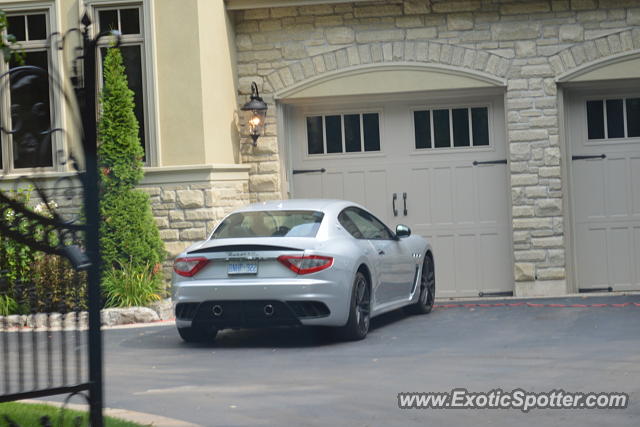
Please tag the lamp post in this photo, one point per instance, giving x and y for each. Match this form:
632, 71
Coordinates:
256, 112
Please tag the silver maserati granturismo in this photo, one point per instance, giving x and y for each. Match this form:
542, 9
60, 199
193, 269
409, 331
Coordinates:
300, 262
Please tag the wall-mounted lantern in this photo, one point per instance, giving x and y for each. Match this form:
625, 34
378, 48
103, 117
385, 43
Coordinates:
257, 113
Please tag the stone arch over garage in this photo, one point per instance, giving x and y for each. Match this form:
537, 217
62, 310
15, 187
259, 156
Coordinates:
597, 54
431, 57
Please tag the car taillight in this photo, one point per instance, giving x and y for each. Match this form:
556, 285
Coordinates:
189, 266
305, 264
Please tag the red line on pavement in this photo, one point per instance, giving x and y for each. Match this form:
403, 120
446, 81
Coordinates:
531, 304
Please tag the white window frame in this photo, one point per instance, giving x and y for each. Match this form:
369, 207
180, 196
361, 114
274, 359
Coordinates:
344, 153
149, 84
452, 148
56, 110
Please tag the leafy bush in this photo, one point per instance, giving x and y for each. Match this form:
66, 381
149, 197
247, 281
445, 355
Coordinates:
31, 281
128, 231
8, 305
16, 258
131, 285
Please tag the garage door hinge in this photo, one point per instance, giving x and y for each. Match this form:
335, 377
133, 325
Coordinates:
599, 156
490, 162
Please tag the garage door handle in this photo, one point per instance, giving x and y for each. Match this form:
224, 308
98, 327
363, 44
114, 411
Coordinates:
393, 204
490, 162
404, 199
299, 171
601, 156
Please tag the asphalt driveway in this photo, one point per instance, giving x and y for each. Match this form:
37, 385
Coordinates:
299, 377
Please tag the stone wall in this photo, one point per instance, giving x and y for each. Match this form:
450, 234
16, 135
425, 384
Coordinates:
528, 43
188, 202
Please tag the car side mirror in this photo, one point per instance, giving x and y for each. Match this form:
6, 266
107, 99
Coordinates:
402, 231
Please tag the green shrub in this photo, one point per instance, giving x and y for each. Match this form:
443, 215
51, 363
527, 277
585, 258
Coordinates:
130, 285
34, 281
58, 287
128, 231
16, 258
8, 305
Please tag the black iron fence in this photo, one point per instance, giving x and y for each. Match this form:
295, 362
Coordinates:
50, 337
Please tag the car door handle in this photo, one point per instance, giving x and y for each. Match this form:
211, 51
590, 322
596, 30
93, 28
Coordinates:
393, 204
380, 252
404, 199
600, 156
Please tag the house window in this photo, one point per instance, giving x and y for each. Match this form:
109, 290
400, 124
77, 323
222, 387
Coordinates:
343, 133
613, 118
27, 103
128, 21
451, 127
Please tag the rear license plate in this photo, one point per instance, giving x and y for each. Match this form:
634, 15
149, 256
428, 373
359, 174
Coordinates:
242, 268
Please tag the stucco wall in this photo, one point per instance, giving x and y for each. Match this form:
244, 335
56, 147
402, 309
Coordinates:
528, 43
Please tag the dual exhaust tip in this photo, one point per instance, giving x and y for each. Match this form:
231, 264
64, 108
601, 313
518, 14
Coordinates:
268, 310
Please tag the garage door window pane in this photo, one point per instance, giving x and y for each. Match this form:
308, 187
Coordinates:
615, 119
352, 133
422, 128
595, 119
334, 134
371, 132
315, 140
441, 128
480, 126
460, 127
633, 117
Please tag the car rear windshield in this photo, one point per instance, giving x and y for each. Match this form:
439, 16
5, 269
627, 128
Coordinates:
269, 224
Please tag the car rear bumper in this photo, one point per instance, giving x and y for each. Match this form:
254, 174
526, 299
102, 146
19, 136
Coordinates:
245, 303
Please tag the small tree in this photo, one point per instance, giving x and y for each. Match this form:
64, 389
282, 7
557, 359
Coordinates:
128, 231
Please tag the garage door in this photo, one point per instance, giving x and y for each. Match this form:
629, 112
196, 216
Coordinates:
413, 163
604, 133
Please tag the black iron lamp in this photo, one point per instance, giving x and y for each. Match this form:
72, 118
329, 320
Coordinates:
257, 113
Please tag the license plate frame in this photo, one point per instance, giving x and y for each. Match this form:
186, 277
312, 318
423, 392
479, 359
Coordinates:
239, 268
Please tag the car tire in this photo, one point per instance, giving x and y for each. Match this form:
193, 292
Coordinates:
195, 334
427, 288
359, 321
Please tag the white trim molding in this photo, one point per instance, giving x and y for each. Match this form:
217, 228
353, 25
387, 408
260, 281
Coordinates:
625, 65
412, 77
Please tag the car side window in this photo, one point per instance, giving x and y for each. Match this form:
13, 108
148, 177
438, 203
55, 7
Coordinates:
349, 225
368, 225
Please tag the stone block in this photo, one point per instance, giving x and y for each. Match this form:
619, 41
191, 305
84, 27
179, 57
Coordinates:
571, 33
340, 35
524, 271
549, 207
457, 6
525, 8
377, 10
380, 36
515, 31
193, 234
189, 199
459, 21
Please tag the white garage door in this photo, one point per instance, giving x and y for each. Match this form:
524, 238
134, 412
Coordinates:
413, 163
605, 172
